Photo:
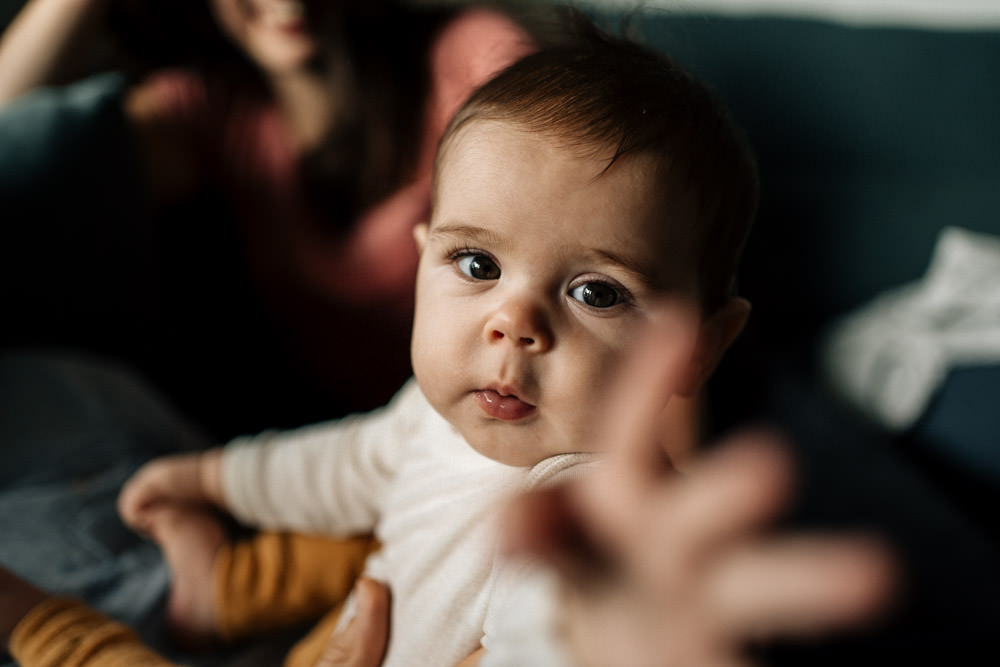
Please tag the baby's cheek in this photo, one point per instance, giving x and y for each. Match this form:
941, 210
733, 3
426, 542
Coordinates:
589, 384
609, 364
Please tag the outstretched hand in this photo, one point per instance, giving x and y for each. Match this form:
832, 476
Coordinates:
659, 568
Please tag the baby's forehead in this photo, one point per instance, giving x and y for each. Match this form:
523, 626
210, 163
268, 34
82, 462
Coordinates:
484, 137
485, 133
632, 185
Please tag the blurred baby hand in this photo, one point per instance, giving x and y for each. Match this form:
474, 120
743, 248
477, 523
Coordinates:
663, 569
183, 478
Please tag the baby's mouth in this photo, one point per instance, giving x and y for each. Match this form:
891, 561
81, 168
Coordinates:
506, 407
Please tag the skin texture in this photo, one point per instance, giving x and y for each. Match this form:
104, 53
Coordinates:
536, 271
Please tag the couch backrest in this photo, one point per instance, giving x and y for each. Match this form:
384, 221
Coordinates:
870, 141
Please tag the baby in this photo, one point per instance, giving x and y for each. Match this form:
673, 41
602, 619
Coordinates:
572, 192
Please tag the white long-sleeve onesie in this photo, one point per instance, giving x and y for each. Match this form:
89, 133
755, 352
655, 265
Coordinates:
432, 501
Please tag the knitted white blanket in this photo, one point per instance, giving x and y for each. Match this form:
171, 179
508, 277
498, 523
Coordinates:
889, 357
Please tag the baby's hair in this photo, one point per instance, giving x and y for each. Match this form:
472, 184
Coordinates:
607, 95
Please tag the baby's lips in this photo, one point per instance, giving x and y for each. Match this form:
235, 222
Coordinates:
503, 407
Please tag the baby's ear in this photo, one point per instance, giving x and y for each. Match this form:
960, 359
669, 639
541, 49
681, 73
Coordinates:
715, 336
420, 235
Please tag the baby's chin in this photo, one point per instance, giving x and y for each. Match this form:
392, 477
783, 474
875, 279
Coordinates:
510, 449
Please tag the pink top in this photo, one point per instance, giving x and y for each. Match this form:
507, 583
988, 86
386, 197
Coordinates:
344, 303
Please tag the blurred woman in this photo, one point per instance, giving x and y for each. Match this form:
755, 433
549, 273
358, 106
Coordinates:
234, 217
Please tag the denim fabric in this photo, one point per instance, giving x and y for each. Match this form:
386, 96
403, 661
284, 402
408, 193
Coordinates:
71, 432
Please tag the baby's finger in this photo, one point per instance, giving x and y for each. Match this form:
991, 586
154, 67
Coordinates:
134, 502
649, 376
729, 492
800, 586
545, 524
685, 522
129, 503
627, 427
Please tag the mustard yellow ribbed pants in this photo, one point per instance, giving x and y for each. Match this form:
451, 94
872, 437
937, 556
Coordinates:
271, 581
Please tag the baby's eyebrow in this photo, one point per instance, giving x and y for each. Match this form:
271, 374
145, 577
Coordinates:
468, 232
638, 271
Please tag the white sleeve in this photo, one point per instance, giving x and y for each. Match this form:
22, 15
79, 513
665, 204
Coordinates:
326, 478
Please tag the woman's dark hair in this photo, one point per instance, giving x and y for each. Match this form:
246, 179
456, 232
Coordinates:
151, 34
374, 147
382, 44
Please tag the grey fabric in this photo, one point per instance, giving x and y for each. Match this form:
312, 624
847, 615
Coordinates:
72, 429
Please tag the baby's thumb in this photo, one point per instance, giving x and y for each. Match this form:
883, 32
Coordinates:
130, 504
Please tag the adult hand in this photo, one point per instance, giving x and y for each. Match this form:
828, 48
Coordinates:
363, 641
663, 569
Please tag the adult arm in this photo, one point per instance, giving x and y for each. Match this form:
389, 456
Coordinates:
44, 45
44, 41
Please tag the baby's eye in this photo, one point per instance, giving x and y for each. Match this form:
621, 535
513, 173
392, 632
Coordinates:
479, 267
598, 295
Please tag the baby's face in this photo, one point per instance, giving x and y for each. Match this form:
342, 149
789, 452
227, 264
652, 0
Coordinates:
534, 275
